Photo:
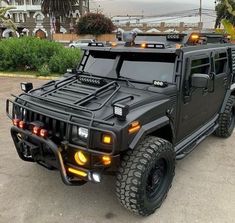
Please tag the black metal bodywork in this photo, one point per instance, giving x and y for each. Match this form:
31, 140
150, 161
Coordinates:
76, 100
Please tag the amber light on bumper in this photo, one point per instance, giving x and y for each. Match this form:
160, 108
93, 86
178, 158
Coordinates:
22, 125
36, 130
40, 132
106, 160
43, 133
16, 122
77, 172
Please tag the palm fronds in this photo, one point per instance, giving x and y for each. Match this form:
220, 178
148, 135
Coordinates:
229, 28
57, 7
4, 20
231, 10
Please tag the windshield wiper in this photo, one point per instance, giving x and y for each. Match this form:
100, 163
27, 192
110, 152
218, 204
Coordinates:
126, 80
133, 80
87, 74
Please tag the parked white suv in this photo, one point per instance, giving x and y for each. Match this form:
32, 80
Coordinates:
81, 43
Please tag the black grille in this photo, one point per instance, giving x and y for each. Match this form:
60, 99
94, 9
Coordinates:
233, 61
56, 128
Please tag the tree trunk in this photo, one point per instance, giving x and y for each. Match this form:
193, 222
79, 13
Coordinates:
57, 24
81, 7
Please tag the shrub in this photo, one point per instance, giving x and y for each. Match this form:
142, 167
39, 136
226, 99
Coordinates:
44, 70
94, 24
30, 53
64, 59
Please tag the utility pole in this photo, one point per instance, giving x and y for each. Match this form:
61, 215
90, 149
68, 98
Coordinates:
88, 5
200, 11
200, 14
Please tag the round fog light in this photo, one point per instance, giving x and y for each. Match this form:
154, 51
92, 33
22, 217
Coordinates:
80, 158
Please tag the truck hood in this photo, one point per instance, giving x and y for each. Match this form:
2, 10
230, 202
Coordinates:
71, 95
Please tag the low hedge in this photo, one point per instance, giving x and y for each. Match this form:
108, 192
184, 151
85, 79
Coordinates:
29, 53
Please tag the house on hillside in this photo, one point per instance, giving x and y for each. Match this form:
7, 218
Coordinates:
30, 20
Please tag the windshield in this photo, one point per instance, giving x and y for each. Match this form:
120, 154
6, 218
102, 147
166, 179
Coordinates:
134, 66
148, 67
100, 63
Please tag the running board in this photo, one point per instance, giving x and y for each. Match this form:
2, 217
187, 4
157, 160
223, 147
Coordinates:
188, 148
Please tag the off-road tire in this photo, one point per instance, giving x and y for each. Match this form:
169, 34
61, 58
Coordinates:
227, 120
134, 172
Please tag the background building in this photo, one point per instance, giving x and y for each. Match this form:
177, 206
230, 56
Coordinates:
30, 20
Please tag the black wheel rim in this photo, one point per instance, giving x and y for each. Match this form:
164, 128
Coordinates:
156, 179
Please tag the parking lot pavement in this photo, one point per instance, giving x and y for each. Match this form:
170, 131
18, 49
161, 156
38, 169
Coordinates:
203, 189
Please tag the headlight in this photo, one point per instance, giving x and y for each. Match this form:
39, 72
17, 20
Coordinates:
83, 133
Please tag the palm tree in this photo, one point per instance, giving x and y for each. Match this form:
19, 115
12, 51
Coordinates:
57, 9
4, 20
230, 8
225, 10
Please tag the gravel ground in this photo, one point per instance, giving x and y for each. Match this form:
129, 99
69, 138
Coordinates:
203, 189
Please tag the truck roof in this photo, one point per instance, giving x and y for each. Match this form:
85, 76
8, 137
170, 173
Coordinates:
163, 43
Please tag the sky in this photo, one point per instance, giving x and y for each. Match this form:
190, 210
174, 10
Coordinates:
147, 7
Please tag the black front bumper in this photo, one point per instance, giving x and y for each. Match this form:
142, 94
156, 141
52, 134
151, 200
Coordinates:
24, 140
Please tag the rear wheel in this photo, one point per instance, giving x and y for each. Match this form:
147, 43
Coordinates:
145, 176
227, 120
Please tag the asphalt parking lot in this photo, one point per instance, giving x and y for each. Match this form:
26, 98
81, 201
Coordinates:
203, 189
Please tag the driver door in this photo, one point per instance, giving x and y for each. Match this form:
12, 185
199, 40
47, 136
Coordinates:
194, 110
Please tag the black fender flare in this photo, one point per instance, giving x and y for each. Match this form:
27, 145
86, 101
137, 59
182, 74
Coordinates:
148, 128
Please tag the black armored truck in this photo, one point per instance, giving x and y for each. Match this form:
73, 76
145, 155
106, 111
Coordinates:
130, 109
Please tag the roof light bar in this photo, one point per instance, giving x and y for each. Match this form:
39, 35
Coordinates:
153, 45
174, 37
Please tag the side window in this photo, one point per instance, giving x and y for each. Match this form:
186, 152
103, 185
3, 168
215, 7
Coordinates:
200, 66
85, 41
221, 63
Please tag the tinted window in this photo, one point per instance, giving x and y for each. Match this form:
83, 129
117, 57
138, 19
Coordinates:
85, 41
220, 63
200, 66
148, 67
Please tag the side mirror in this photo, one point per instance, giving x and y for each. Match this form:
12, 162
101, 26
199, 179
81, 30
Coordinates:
200, 80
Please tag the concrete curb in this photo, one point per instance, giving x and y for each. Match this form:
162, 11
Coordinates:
28, 76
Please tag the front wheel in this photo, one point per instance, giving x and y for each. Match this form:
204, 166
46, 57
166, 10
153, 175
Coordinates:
145, 176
